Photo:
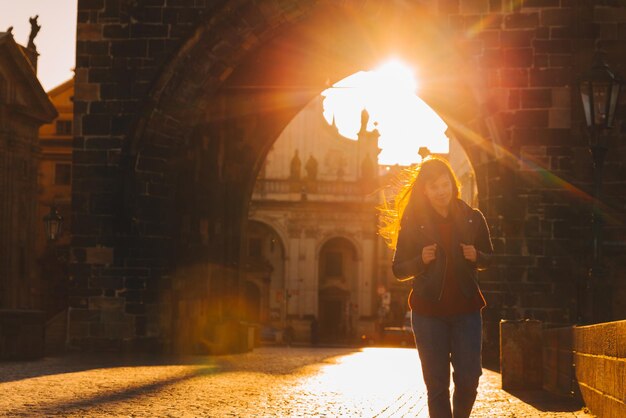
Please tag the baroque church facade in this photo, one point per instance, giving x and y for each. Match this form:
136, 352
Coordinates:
313, 254
312, 249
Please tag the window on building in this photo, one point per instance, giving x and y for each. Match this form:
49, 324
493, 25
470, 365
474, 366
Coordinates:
255, 247
62, 174
334, 263
64, 127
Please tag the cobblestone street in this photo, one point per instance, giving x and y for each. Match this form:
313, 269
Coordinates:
382, 382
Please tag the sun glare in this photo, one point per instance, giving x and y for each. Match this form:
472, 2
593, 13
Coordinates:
394, 78
404, 121
370, 389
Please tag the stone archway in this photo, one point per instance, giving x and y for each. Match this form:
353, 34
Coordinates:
213, 114
243, 110
168, 160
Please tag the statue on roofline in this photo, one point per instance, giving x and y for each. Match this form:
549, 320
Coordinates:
34, 30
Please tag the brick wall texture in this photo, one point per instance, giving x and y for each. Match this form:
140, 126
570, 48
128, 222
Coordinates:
170, 135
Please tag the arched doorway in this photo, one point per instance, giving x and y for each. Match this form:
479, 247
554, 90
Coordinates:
338, 290
333, 321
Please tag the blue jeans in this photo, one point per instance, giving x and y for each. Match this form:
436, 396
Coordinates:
444, 340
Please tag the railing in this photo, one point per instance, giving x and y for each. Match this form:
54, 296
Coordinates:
341, 188
274, 186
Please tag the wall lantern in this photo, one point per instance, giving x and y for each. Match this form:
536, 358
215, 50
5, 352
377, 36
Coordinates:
599, 91
52, 223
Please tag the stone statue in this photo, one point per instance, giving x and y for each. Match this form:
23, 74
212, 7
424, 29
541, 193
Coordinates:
311, 168
296, 166
34, 30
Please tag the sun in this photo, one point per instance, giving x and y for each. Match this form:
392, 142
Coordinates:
389, 93
393, 78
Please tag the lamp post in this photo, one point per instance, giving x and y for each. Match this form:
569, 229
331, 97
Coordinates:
53, 222
599, 92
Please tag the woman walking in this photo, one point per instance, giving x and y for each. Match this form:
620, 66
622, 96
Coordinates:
440, 243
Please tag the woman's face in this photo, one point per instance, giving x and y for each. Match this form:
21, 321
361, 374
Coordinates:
439, 191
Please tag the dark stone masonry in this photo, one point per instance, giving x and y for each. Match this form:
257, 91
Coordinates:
177, 103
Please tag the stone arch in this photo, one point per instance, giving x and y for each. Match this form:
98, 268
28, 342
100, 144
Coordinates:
339, 241
271, 229
228, 92
280, 232
331, 236
263, 58
202, 98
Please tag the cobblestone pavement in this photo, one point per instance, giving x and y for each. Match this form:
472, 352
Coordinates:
271, 381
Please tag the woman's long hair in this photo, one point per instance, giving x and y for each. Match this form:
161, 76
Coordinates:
411, 185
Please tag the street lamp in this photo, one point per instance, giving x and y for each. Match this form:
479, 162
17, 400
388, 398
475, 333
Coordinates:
52, 223
599, 92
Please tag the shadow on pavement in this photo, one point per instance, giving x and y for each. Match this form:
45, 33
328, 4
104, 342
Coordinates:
273, 363
547, 402
91, 402
79, 362
72, 363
